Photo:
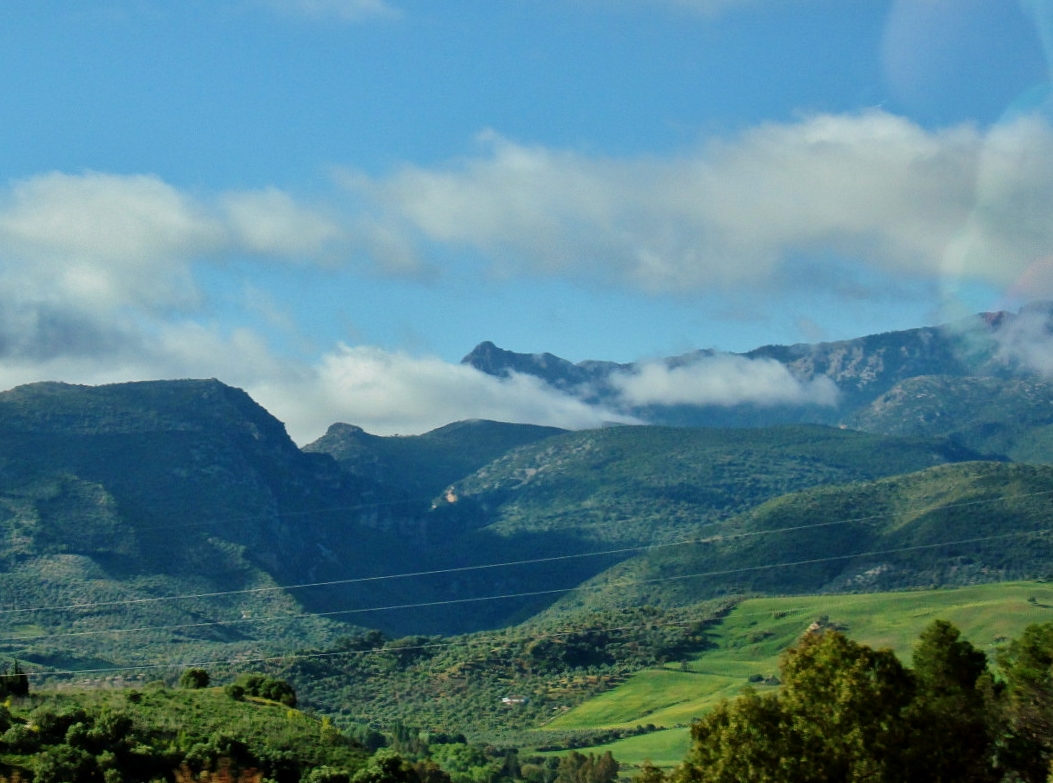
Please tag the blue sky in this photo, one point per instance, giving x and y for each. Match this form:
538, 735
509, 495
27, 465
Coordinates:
330, 202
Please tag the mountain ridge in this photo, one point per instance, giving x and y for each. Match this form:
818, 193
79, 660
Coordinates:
148, 491
862, 369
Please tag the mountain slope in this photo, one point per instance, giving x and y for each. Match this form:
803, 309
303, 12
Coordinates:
573, 505
992, 345
115, 498
1005, 416
643, 485
948, 525
423, 466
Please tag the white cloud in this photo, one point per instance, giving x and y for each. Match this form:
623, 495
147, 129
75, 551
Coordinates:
722, 379
270, 222
102, 242
341, 10
1026, 340
876, 188
389, 393
97, 241
383, 392
96, 280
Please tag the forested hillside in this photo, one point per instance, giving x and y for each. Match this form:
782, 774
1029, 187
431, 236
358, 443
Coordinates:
507, 570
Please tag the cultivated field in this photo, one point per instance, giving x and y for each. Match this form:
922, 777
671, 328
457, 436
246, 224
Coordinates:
750, 640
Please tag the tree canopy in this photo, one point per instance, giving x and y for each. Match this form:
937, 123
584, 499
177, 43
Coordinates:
848, 713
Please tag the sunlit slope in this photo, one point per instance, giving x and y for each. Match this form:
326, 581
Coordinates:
993, 415
949, 525
648, 484
749, 641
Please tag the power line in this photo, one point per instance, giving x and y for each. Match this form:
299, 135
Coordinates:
554, 634
331, 583
557, 591
530, 561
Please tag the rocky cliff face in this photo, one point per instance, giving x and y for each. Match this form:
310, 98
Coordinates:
178, 461
988, 345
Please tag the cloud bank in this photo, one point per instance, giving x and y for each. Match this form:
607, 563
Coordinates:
1027, 340
873, 188
722, 380
101, 242
100, 274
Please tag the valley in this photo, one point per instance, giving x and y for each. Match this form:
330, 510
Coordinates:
522, 586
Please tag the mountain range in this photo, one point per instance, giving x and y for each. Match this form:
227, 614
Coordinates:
834, 383
174, 521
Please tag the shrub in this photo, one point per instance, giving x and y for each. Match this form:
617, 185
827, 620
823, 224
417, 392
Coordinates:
193, 679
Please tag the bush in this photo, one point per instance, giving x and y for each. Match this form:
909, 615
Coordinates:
264, 687
193, 679
20, 739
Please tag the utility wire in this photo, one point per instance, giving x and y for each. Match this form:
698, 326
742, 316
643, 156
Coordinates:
299, 656
530, 561
556, 591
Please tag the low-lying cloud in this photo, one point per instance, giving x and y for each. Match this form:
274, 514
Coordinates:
384, 392
389, 393
99, 273
721, 380
1026, 340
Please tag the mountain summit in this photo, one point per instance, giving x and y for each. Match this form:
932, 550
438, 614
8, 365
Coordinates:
778, 384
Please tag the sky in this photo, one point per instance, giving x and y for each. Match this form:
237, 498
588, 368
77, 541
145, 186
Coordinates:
329, 203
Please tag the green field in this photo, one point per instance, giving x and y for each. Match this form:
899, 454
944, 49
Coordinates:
751, 638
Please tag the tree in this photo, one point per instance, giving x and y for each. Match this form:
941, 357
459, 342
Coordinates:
13, 681
1027, 702
578, 768
264, 687
841, 716
741, 741
952, 732
649, 773
193, 679
386, 766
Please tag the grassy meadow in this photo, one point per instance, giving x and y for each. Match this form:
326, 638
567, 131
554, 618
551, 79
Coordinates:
751, 638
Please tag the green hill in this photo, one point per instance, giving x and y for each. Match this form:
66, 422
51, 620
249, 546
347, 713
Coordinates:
422, 466
747, 642
175, 521
948, 525
115, 499
999, 416
156, 732
642, 485
562, 501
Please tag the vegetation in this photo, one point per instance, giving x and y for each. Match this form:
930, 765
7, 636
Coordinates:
948, 525
654, 484
746, 645
172, 524
494, 686
13, 681
162, 734
848, 712
126, 496
1010, 417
